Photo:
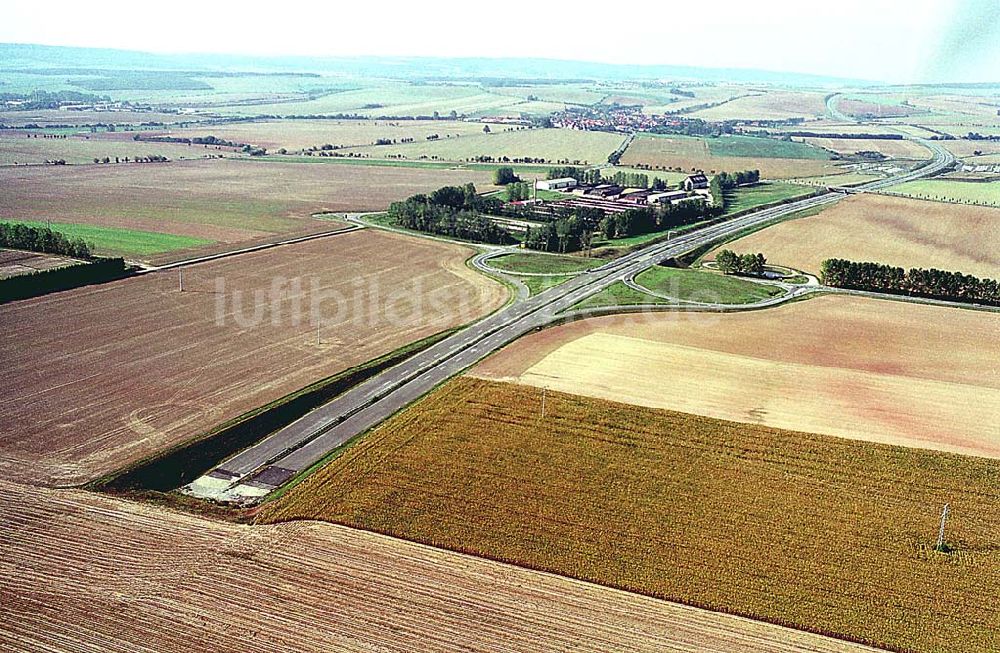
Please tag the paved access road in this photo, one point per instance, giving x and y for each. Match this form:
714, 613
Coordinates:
255, 472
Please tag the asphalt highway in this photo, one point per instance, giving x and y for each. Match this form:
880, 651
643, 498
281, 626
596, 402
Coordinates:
255, 472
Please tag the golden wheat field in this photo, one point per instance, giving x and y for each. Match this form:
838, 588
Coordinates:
151, 580
820, 533
846, 366
891, 230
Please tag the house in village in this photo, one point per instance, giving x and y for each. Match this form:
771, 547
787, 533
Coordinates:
696, 182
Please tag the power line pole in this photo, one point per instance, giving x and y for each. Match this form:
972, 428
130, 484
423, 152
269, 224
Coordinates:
544, 390
940, 540
180, 280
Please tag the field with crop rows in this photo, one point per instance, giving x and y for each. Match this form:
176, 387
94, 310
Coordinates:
155, 581
825, 534
553, 145
693, 154
229, 202
850, 367
891, 230
120, 371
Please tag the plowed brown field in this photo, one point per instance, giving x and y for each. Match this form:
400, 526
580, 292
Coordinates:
83, 572
103, 376
920, 376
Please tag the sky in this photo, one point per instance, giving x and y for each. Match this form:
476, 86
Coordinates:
898, 41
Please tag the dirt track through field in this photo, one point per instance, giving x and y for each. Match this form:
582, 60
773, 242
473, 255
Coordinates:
83, 572
103, 376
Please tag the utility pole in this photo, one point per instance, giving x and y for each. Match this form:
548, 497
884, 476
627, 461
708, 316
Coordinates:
940, 540
180, 280
544, 390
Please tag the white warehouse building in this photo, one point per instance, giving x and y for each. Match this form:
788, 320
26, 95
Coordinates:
556, 184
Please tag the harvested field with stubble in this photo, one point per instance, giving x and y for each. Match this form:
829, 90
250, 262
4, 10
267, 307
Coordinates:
234, 203
770, 105
918, 376
890, 230
75, 563
825, 534
553, 145
901, 149
299, 134
104, 376
691, 154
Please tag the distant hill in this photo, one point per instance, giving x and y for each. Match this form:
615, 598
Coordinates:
57, 59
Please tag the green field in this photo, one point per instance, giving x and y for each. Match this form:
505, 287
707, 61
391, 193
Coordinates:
126, 242
539, 284
706, 287
754, 147
618, 294
544, 263
750, 197
964, 192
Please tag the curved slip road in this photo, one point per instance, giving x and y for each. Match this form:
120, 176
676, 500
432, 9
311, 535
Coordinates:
257, 471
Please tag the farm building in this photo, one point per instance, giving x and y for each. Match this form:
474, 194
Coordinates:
556, 184
695, 182
668, 196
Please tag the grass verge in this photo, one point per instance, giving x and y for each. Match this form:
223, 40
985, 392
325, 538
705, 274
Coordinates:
703, 286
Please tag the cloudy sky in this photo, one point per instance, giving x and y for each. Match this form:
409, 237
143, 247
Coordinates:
900, 41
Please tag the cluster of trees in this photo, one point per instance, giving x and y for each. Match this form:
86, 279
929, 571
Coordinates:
42, 239
575, 230
636, 222
152, 158
454, 211
933, 283
196, 140
724, 181
55, 136
519, 191
730, 180
730, 262
486, 158
562, 235
504, 176
872, 137
593, 176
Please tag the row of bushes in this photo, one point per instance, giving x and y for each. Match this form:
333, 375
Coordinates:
918, 282
73, 276
41, 239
